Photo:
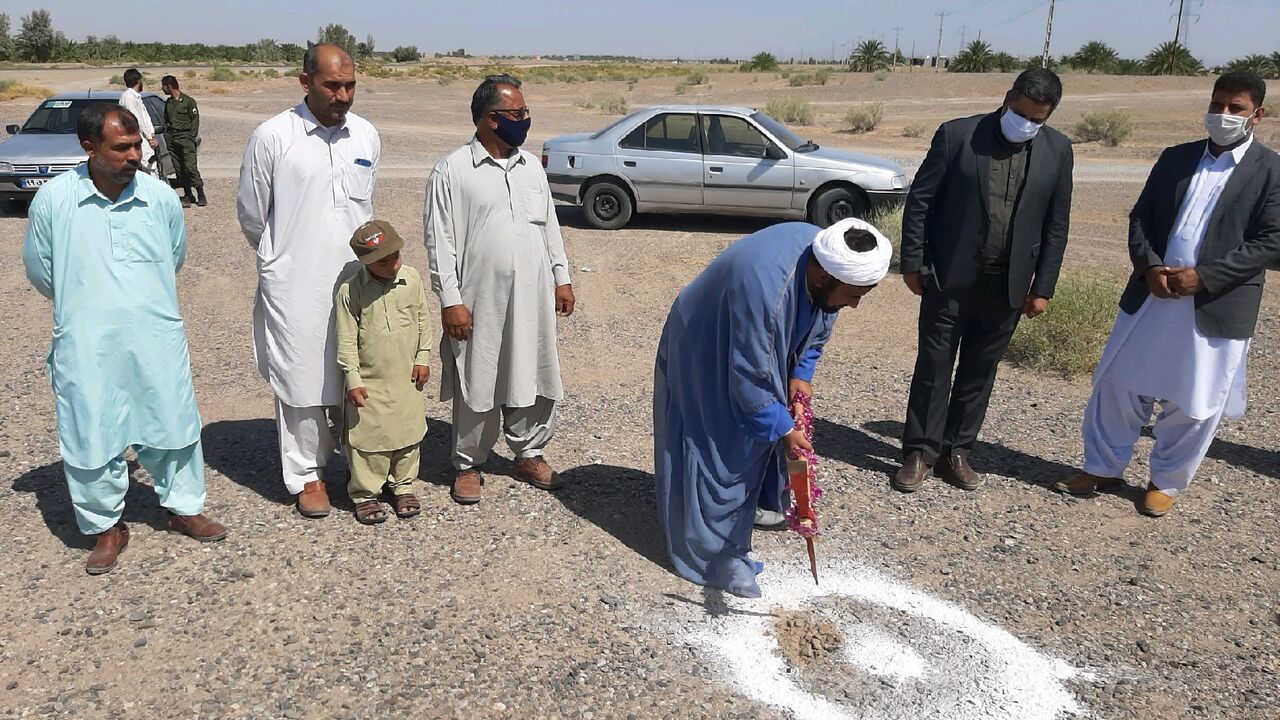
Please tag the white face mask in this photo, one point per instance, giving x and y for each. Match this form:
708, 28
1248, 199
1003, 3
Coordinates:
1227, 129
1017, 129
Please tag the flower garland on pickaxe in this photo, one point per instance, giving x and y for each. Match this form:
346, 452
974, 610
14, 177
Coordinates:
802, 476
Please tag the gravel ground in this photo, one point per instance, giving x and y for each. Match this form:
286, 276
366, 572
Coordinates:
533, 605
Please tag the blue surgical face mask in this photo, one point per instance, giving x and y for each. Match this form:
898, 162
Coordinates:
1017, 129
512, 132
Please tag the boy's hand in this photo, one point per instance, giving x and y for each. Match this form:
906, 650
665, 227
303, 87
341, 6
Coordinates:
359, 396
421, 373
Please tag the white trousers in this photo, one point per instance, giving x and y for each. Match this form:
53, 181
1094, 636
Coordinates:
527, 429
306, 441
1113, 420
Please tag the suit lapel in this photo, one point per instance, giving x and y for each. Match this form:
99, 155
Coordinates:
1183, 172
1241, 175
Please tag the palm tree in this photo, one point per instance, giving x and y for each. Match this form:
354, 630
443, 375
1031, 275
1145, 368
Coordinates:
1275, 64
976, 58
1094, 56
1172, 58
869, 56
1004, 62
763, 62
1259, 65
1128, 66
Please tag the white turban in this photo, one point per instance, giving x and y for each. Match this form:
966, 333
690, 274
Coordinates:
850, 266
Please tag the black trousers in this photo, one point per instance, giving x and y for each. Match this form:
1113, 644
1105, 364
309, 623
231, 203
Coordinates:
976, 326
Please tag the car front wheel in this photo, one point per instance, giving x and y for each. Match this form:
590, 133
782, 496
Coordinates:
836, 204
607, 206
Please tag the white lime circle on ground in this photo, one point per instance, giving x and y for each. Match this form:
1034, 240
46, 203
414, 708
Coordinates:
908, 654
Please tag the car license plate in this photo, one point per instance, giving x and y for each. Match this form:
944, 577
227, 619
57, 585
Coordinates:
31, 183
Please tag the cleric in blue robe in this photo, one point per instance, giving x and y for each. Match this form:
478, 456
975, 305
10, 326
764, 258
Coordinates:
739, 341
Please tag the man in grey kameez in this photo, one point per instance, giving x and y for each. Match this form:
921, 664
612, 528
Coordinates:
498, 266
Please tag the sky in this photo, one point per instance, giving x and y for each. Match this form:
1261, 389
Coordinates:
1219, 30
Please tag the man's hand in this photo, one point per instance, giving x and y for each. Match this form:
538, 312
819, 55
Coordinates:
1158, 281
912, 280
564, 300
1034, 305
794, 442
358, 396
797, 385
457, 321
1184, 281
154, 143
421, 373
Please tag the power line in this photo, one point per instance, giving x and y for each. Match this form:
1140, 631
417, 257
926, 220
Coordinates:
942, 15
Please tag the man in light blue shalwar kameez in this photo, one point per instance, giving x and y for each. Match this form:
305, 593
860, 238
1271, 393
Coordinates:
740, 340
104, 243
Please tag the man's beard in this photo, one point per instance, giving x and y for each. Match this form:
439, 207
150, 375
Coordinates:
120, 177
822, 297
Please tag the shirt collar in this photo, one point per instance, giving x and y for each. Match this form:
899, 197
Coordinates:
312, 125
1237, 153
479, 154
86, 190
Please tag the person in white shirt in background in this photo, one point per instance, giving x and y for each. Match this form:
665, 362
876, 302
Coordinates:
1201, 236
306, 184
131, 100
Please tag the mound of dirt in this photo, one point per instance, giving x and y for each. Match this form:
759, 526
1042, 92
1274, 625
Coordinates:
804, 638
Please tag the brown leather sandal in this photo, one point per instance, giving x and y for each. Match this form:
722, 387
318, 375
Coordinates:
370, 512
407, 505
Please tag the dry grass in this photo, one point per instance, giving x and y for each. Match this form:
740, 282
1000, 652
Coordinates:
915, 130
1068, 338
1109, 127
864, 119
889, 222
14, 90
791, 110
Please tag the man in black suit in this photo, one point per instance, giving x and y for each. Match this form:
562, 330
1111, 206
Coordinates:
1203, 232
983, 234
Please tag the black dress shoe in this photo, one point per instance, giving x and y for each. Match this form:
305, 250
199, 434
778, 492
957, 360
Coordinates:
911, 476
955, 469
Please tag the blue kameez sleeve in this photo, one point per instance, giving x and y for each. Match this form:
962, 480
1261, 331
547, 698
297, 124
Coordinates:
753, 368
37, 249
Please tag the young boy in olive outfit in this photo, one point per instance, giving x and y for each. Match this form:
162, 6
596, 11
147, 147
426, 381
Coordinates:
384, 335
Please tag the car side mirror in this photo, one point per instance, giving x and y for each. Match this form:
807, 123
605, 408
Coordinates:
773, 152
12, 129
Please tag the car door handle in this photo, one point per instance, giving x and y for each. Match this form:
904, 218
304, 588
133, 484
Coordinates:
715, 170
628, 163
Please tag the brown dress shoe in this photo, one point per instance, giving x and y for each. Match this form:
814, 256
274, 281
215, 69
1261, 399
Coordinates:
1084, 484
313, 501
955, 469
107, 549
538, 473
466, 487
1155, 503
911, 476
197, 527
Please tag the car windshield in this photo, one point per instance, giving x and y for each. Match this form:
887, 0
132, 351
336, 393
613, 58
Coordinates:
57, 116
785, 136
611, 126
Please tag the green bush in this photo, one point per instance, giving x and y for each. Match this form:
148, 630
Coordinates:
681, 88
915, 130
221, 74
613, 104
791, 110
865, 118
271, 73
802, 79
1110, 127
697, 77
881, 75
1068, 338
889, 222
116, 80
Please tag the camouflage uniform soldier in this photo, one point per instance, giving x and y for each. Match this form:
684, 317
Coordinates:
182, 120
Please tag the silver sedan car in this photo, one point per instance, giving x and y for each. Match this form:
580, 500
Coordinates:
46, 144
714, 159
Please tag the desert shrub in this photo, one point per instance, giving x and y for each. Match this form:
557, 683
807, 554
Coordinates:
1109, 127
221, 74
584, 103
801, 79
681, 88
881, 75
1068, 338
697, 77
191, 74
613, 104
13, 90
116, 80
792, 110
915, 130
889, 222
865, 118
219, 91
271, 73
821, 77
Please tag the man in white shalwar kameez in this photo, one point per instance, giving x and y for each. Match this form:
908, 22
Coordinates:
1202, 233
131, 100
498, 266
306, 184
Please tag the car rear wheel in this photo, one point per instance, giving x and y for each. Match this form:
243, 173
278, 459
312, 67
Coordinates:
836, 204
607, 206
12, 206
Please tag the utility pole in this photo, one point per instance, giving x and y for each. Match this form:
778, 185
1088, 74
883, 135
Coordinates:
896, 31
937, 57
911, 61
1048, 32
964, 35
1177, 27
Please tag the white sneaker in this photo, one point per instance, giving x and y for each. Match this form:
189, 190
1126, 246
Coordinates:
769, 520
